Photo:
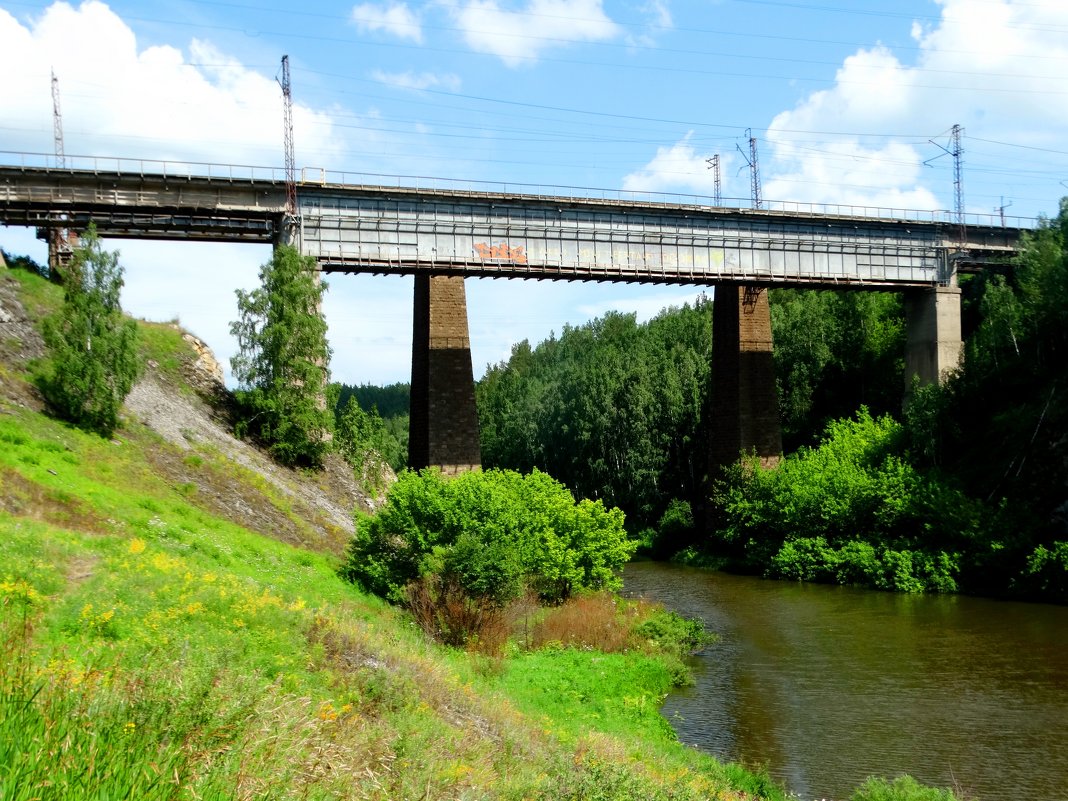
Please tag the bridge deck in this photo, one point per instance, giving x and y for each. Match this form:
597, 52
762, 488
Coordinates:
351, 228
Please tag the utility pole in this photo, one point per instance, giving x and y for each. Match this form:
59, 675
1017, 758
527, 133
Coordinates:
958, 182
754, 167
955, 150
1001, 209
57, 123
717, 190
291, 161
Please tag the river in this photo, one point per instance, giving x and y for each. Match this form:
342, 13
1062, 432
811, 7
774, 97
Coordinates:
829, 685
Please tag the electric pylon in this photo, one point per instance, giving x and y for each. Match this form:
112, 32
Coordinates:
717, 188
754, 167
956, 151
57, 123
958, 182
291, 162
61, 241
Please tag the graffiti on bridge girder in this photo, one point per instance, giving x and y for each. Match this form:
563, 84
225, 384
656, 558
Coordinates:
502, 252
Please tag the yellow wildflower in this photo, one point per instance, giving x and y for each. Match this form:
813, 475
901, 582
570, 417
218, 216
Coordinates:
137, 545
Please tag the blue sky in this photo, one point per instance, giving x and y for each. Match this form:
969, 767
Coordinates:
847, 100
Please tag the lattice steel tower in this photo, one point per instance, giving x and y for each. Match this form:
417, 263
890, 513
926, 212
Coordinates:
754, 167
291, 162
57, 123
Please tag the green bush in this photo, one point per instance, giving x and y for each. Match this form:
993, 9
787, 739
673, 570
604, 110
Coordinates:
365, 443
674, 531
850, 511
1047, 571
496, 534
671, 633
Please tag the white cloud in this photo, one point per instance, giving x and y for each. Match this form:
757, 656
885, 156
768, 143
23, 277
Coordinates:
393, 18
659, 13
153, 102
520, 36
660, 20
678, 168
992, 66
420, 80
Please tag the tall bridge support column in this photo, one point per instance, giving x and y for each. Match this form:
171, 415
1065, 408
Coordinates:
933, 344
745, 403
443, 427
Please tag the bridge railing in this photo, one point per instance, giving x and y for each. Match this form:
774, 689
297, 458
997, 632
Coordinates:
167, 168
323, 177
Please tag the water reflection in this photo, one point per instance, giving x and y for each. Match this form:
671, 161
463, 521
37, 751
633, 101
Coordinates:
828, 685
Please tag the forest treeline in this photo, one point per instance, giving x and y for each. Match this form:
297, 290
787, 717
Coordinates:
615, 409
377, 416
612, 408
965, 488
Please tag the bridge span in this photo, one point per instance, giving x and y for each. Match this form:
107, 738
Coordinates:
443, 235
379, 229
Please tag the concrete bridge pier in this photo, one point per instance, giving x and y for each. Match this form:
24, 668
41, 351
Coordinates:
745, 403
443, 427
933, 344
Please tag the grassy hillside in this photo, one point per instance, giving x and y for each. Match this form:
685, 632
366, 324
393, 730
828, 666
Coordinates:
158, 640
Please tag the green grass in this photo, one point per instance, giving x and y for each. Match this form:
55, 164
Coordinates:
149, 650
163, 344
39, 296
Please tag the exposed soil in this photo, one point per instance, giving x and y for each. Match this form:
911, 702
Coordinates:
235, 480
23, 498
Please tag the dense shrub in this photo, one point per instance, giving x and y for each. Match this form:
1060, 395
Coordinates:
451, 615
604, 622
493, 534
364, 442
850, 511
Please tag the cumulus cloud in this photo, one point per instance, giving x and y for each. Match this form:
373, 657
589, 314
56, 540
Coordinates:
521, 35
121, 99
395, 19
152, 102
992, 66
418, 80
678, 168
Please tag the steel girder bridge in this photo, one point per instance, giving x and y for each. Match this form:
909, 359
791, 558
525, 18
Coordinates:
442, 235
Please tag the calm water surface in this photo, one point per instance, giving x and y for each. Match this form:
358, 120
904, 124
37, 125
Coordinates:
828, 685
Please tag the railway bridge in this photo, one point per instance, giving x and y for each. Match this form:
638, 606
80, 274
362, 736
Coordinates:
442, 235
